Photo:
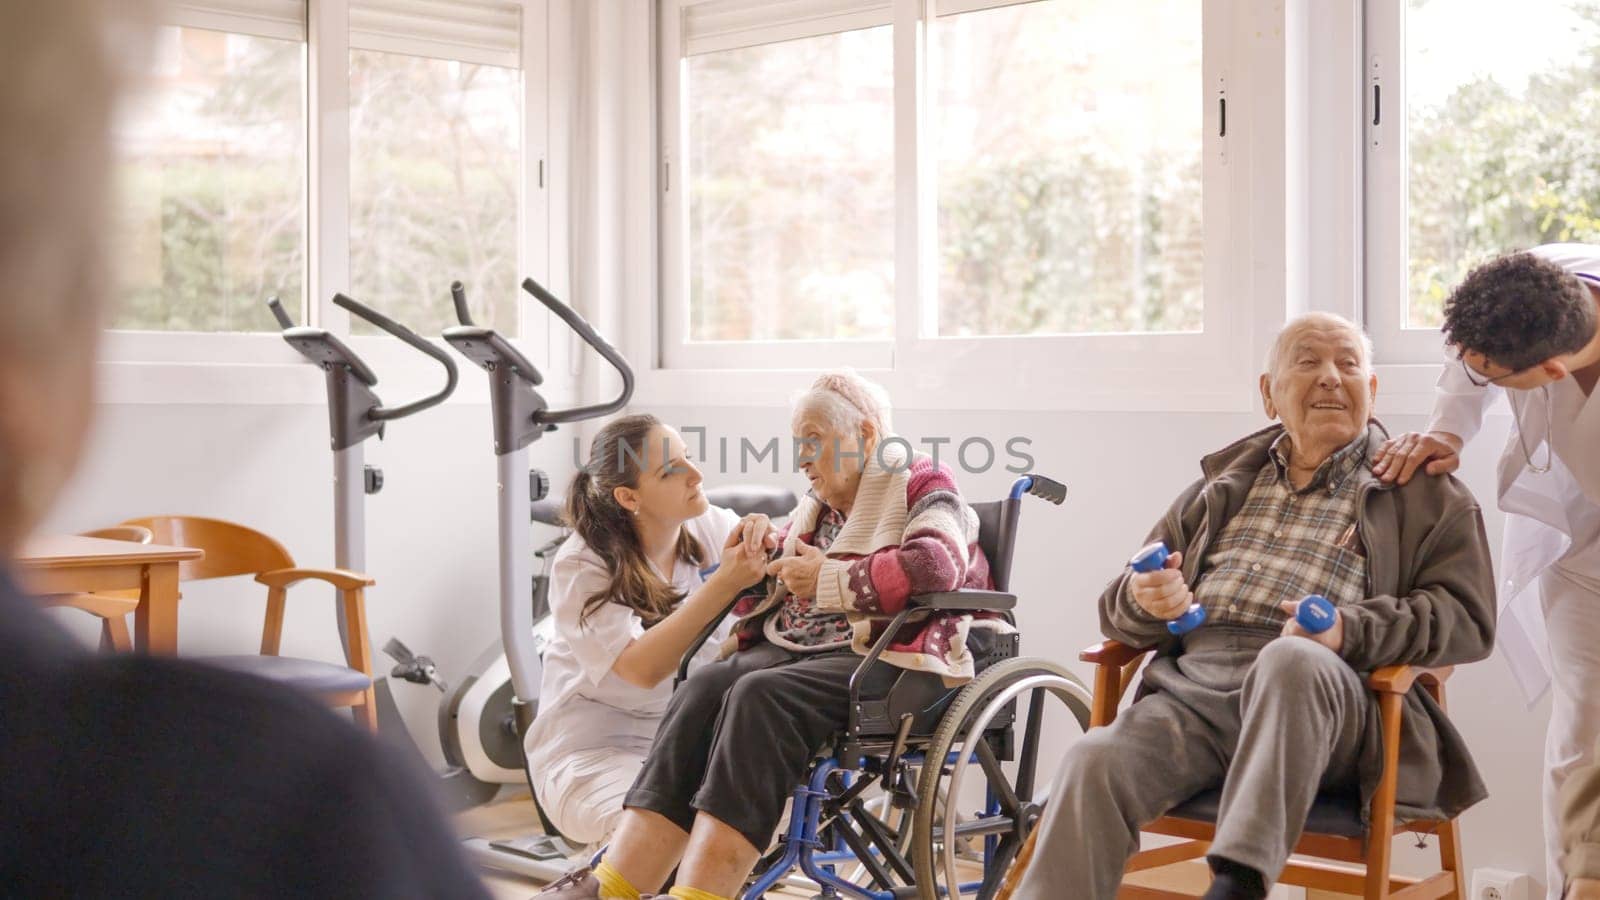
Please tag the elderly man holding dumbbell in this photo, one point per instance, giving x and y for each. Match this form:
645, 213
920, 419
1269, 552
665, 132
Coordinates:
1259, 690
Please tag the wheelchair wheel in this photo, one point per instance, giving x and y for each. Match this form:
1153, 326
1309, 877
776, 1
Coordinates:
948, 826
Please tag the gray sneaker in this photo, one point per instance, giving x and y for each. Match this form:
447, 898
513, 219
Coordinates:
579, 884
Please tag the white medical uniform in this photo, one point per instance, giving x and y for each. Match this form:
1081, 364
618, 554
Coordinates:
1549, 581
593, 729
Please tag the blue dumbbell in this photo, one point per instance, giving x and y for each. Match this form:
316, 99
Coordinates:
1152, 559
1316, 614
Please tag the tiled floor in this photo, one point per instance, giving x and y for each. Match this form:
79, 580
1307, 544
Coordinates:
515, 816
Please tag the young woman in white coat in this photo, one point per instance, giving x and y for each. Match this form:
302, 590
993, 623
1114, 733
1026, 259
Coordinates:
649, 564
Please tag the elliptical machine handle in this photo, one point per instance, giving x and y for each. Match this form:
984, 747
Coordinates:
576, 323
384, 413
284, 321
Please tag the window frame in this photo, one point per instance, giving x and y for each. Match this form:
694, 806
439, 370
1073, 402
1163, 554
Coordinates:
1385, 189
1101, 371
224, 367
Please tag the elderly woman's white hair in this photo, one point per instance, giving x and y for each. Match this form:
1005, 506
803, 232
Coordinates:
845, 401
1316, 321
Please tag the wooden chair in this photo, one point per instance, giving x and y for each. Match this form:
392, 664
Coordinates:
1333, 829
112, 607
233, 549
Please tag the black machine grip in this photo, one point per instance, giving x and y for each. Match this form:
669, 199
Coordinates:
576, 323
488, 343
458, 295
284, 321
405, 334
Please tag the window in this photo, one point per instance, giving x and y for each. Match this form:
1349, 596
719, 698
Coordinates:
300, 148
790, 187
884, 184
1069, 168
434, 189
1475, 148
211, 176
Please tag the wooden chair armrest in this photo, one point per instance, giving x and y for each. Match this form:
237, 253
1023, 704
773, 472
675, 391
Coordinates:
342, 579
1112, 653
1399, 679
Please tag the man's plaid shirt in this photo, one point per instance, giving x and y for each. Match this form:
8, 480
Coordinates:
1286, 543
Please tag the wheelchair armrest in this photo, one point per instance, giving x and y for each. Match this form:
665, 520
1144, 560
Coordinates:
1399, 679
699, 641
1112, 653
965, 600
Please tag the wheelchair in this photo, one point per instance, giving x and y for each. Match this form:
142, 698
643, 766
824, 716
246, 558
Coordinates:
955, 769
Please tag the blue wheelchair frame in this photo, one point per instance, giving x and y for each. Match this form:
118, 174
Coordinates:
803, 847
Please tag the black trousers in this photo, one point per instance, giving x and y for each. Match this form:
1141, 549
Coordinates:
740, 734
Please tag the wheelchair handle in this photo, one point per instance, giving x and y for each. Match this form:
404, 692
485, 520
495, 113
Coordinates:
1039, 486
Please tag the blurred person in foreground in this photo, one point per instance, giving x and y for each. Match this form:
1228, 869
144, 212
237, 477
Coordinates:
135, 776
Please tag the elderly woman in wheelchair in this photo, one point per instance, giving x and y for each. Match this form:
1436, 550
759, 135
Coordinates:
880, 532
1252, 702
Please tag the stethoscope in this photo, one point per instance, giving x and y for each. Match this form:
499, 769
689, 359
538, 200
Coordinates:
1522, 442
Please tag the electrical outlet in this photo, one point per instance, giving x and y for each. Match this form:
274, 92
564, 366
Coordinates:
1499, 884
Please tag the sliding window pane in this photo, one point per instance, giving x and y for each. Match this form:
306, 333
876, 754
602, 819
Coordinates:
791, 189
435, 162
1499, 156
1068, 151
211, 176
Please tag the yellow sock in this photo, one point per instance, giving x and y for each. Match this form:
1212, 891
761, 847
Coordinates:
689, 893
612, 885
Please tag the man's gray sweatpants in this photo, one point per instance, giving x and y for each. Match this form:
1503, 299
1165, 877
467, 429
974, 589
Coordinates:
1272, 720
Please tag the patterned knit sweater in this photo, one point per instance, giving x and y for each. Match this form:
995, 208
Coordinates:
908, 533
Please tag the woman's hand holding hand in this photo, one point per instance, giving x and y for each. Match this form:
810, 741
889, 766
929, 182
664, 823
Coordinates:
799, 572
743, 565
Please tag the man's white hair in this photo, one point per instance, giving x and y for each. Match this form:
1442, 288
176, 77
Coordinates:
844, 401
1316, 321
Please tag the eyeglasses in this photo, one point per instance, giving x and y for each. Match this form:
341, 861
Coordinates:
1478, 378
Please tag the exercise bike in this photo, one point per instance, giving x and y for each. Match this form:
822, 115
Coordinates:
477, 736
505, 696
356, 413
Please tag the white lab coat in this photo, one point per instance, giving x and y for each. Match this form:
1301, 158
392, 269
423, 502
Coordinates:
1549, 579
1551, 516
593, 729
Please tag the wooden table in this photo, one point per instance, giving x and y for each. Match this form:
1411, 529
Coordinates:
69, 563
